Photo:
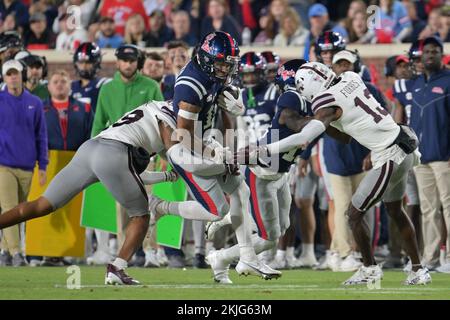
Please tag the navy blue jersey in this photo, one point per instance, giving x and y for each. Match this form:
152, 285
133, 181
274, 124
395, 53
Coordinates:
195, 87
290, 99
260, 106
89, 93
402, 92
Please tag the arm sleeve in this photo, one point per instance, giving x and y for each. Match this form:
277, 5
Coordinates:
310, 132
100, 118
41, 138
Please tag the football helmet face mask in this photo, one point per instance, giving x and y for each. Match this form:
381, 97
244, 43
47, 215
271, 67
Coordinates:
285, 78
218, 56
312, 78
252, 69
91, 53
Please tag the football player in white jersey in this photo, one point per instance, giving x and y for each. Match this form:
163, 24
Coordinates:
117, 157
344, 107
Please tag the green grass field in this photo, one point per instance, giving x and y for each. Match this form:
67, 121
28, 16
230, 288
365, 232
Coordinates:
191, 284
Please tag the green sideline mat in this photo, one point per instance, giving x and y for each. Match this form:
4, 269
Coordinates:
99, 211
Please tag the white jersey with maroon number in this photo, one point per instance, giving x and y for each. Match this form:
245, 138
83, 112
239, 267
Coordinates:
362, 118
140, 128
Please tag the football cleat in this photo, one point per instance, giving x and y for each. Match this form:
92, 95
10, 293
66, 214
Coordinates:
115, 276
257, 269
365, 275
420, 277
219, 267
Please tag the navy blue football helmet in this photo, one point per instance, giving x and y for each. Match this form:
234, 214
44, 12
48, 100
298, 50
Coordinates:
88, 52
285, 78
329, 41
252, 62
273, 62
218, 47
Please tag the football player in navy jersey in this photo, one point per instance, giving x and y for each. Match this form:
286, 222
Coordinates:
202, 87
270, 197
86, 61
259, 109
273, 62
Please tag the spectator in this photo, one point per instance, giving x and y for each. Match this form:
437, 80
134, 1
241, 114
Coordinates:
36, 73
320, 21
17, 8
218, 19
85, 8
437, 25
394, 25
69, 121
277, 9
159, 32
292, 32
128, 90
154, 66
121, 10
9, 24
135, 33
267, 26
107, 36
48, 8
357, 30
178, 55
24, 142
181, 26
39, 37
417, 24
430, 120
69, 38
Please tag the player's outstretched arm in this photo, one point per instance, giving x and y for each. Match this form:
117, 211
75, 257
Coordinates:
314, 128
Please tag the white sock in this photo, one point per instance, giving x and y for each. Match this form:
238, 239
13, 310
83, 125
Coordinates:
187, 209
290, 252
102, 241
307, 249
281, 254
240, 220
120, 264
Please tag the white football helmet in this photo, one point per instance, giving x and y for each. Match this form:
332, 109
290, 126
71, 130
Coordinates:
313, 78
